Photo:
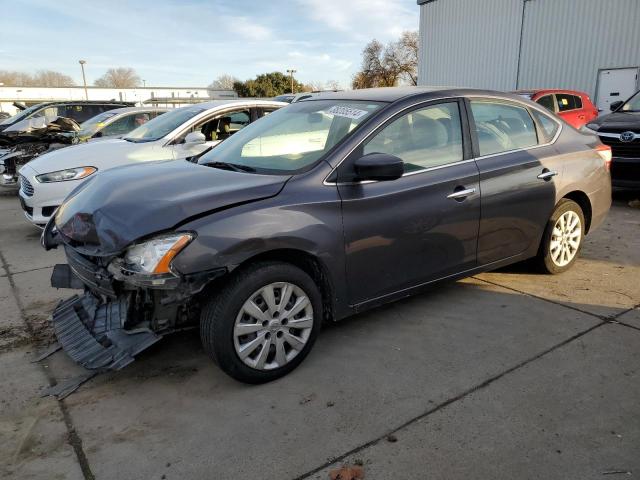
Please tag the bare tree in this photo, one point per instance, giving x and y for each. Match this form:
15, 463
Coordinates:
49, 78
223, 82
386, 66
402, 57
121, 77
374, 72
333, 85
43, 78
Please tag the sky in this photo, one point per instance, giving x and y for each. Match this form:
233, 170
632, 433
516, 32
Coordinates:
189, 43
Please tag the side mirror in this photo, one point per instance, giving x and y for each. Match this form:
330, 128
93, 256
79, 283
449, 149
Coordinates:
379, 166
615, 105
195, 138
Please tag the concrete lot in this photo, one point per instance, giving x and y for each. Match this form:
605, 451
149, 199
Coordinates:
504, 375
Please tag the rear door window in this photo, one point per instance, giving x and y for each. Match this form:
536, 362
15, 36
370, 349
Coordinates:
501, 127
566, 102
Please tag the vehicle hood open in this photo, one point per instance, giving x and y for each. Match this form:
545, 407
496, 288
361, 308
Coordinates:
44, 129
109, 212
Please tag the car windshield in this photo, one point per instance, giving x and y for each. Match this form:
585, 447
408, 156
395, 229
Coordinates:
21, 115
633, 104
163, 125
291, 138
93, 124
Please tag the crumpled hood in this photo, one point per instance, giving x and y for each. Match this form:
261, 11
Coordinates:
618, 122
107, 213
102, 155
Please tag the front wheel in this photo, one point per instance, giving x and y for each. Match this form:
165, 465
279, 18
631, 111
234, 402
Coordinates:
263, 323
562, 239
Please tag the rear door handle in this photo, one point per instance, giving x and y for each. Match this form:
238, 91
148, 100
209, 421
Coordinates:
547, 174
462, 194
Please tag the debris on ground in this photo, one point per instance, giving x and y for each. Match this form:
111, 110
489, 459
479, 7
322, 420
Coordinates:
330, 403
617, 472
347, 472
307, 399
392, 438
65, 388
635, 203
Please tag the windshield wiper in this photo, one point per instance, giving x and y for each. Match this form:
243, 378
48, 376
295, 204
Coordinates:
231, 166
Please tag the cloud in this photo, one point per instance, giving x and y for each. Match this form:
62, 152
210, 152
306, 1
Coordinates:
191, 42
364, 19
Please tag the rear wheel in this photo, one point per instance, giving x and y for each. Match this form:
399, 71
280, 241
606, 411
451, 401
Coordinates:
263, 323
562, 239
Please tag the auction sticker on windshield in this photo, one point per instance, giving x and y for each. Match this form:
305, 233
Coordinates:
348, 112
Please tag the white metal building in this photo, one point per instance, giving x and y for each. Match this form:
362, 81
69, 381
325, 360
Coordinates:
156, 96
587, 45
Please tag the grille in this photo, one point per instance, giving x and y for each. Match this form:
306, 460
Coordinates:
623, 149
26, 186
626, 172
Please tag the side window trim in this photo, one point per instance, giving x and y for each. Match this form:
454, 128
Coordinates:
540, 109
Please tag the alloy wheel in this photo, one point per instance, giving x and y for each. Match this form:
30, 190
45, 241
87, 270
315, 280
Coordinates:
565, 238
273, 326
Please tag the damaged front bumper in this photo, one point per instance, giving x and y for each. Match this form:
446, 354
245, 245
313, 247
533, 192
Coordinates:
92, 333
120, 314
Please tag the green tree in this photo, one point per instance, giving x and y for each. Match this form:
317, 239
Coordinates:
267, 85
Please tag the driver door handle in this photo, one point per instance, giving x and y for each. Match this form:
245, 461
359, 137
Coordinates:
547, 174
460, 194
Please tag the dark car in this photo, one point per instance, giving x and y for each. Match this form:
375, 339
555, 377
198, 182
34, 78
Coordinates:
322, 209
621, 131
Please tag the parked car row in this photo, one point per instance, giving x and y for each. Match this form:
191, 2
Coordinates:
181, 133
44, 127
255, 221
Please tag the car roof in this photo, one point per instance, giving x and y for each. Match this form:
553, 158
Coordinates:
225, 103
550, 90
118, 111
85, 102
393, 94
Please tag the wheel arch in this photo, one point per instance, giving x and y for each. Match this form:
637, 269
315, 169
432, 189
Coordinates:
582, 199
305, 261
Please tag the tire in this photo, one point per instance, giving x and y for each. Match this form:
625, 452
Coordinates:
554, 257
234, 333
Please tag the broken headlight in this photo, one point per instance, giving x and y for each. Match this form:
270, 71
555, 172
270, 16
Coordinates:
154, 256
65, 175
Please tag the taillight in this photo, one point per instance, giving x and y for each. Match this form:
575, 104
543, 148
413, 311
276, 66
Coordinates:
605, 152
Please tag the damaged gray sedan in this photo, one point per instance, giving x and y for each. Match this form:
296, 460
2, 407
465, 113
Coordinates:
320, 210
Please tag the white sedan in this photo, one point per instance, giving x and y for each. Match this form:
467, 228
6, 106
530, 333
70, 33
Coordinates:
185, 132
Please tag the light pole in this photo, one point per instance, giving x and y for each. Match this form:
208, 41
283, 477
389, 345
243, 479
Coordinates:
84, 79
291, 72
144, 83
